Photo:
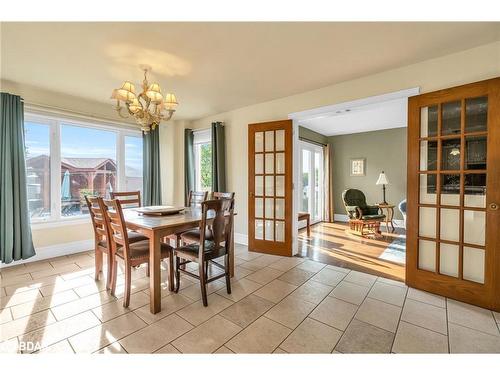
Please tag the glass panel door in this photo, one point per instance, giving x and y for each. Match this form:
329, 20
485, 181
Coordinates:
311, 181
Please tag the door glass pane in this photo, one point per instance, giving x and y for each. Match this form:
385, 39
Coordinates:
428, 155
450, 123
280, 163
259, 163
427, 255
427, 222
317, 186
473, 264
259, 207
475, 156
37, 146
280, 231
259, 141
305, 180
270, 141
259, 185
259, 229
88, 166
269, 186
280, 208
450, 189
448, 259
269, 163
280, 186
280, 140
269, 232
450, 154
476, 114
428, 121
475, 190
428, 188
269, 207
450, 224
474, 227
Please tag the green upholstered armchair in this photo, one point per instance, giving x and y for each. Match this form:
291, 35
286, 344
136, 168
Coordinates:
363, 219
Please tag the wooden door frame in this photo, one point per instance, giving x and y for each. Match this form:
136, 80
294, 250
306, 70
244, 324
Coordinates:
279, 248
487, 295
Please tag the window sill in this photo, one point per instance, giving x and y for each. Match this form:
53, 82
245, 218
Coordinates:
59, 223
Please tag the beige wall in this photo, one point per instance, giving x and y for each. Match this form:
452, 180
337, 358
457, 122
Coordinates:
467, 66
384, 150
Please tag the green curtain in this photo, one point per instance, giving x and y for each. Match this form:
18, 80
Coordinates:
188, 163
218, 157
151, 168
15, 230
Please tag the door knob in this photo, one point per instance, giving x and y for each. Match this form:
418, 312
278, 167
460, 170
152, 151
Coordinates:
493, 206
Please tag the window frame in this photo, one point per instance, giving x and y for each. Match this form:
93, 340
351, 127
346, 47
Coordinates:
55, 121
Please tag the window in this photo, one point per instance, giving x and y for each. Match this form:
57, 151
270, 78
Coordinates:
68, 159
311, 183
203, 160
37, 144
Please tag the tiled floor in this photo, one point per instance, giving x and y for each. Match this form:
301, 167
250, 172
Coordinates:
278, 305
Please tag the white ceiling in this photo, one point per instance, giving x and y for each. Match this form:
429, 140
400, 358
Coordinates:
358, 119
216, 67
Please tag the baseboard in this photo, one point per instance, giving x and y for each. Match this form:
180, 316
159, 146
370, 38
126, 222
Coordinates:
345, 219
53, 251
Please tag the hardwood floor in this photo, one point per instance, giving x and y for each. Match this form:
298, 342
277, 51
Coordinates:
330, 243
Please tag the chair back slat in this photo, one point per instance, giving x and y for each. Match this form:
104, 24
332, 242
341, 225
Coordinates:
195, 198
116, 224
221, 215
128, 199
223, 195
101, 230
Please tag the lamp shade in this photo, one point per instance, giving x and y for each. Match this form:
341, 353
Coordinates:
135, 106
124, 95
382, 179
154, 93
170, 102
128, 86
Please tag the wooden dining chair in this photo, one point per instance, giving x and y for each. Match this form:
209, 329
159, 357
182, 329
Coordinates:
208, 250
195, 198
220, 194
132, 254
128, 199
102, 244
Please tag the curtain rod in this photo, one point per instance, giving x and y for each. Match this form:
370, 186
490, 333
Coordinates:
311, 141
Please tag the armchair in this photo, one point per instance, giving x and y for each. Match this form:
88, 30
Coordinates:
363, 219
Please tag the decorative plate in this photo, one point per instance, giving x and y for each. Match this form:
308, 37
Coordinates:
159, 210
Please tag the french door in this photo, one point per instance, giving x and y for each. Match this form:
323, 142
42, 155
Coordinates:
453, 239
311, 184
270, 187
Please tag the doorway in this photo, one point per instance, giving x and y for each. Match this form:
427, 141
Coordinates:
311, 182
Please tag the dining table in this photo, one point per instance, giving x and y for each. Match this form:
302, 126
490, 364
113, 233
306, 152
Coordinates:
156, 228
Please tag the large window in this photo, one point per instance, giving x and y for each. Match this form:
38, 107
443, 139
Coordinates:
203, 160
68, 159
311, 183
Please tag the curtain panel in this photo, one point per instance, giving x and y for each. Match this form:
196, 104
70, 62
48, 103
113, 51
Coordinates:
188, 163
328, 181
151, 168
15, 230
218, 157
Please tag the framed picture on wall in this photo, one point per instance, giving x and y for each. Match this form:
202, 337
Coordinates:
358, 166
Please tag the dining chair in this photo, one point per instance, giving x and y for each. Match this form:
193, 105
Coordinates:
102, 243
207, 250
195, 198
128, 199
132, 254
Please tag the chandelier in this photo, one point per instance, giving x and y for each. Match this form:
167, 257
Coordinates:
149, 107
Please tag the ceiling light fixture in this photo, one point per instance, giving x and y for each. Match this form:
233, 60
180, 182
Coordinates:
149, 107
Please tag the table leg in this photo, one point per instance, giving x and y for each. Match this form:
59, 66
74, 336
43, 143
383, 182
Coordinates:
154, 274
231, 253
392, 215
308, 223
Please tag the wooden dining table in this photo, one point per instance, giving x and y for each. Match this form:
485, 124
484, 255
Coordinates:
155, 228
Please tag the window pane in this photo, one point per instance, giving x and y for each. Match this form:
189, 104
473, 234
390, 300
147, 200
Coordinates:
427, 255
133, 163
450, 154
450, 189
451, 118
428, 188
475, 190
88, 166
475, 156
37, 144
428, 121
428, 155
476, 114
204, 167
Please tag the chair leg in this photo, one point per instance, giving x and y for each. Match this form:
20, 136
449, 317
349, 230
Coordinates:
228, 276
206, 268
203, 283
147, 270
109, 275
98, 264
177, 275
114, 272
128, 281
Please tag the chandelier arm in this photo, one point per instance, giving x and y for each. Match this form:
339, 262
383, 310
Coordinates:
119, 110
